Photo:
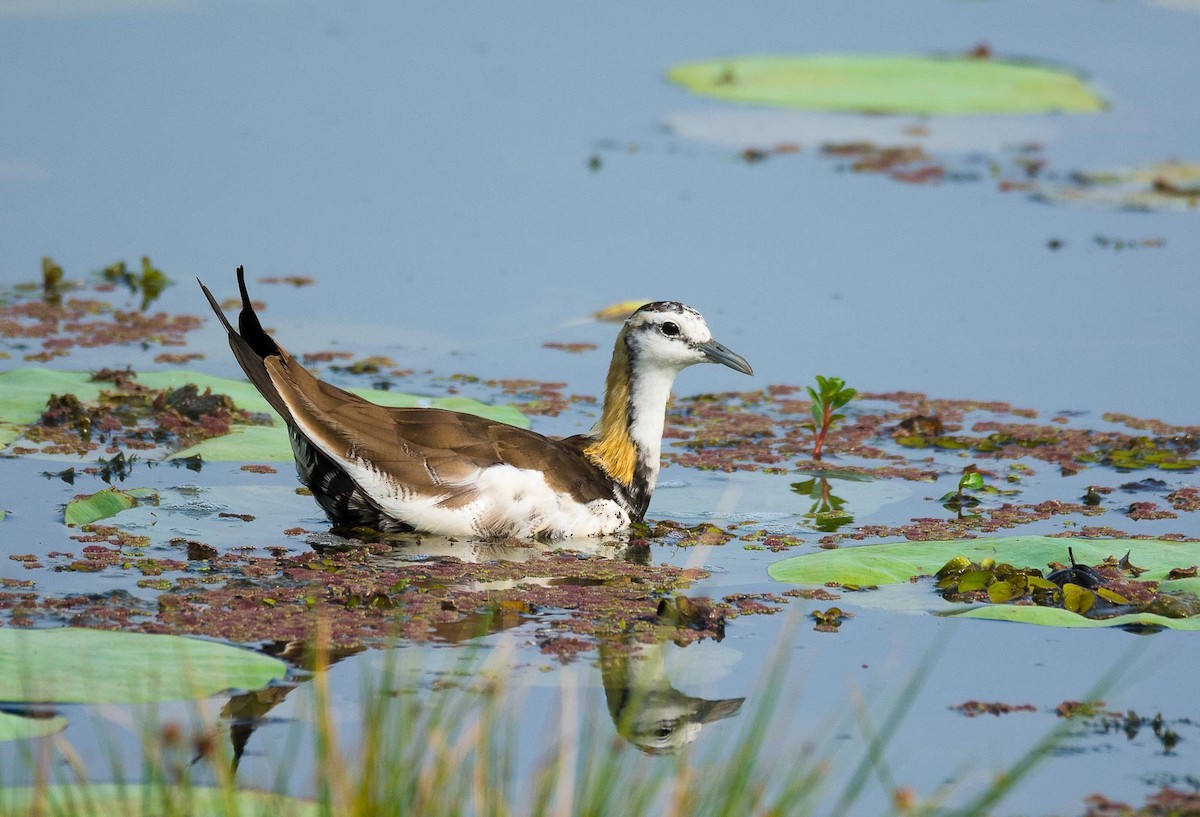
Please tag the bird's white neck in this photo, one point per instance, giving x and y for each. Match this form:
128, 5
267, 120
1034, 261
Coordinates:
648, 396
629, 434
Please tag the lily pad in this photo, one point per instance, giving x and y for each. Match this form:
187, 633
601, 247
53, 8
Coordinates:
897, 562
76, 665
18, 727
890, 84
135, 800
24, 392
103, 504
1058, 617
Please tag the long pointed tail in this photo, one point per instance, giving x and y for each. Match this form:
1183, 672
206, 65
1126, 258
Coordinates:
252, 346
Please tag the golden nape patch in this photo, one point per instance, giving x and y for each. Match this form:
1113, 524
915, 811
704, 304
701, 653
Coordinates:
616, 454
614, 451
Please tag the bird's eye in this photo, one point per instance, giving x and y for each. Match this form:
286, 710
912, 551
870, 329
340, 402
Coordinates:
670, 329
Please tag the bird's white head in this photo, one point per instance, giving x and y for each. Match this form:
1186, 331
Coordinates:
671, 336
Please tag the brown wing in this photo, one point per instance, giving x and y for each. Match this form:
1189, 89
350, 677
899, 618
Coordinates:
429, 450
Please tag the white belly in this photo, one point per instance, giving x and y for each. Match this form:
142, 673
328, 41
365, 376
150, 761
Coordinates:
509, 501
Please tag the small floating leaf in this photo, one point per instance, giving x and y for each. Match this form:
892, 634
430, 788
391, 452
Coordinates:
971, 480
1111, 596
1005, 591
974, 580
956, 565
890, 84
102, 505
1077, 599
1038, 583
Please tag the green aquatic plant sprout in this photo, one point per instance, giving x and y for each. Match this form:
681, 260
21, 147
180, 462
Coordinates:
829, 396
52, 278
971, 480
150, 283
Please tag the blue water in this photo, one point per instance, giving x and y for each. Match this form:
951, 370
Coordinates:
428, 165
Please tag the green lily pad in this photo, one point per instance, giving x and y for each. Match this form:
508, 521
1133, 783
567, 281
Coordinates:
24, 392
896, 562
243, 444
890, 84
103, 504
145, 799
1058, 617
17, 727
76, 665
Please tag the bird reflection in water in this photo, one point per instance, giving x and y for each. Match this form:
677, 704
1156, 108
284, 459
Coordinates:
646, 708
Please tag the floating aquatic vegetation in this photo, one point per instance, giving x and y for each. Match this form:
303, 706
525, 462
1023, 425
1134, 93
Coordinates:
973, 709
61, 322
829, 621
692, 613
83, 510
573, 348
443, 600
52, 279
150, 284
1112, 593
1162, 186
1095, 719
971, 480
291, 280
905, 84
1167, 800
676, 534
177, 412
1108, 590
537, 397
775, 542
75, 665
375, 364
766, 431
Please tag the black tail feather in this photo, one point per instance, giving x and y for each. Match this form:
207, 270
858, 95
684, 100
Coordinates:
251, 329
251, 347
216, 307
335, 491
